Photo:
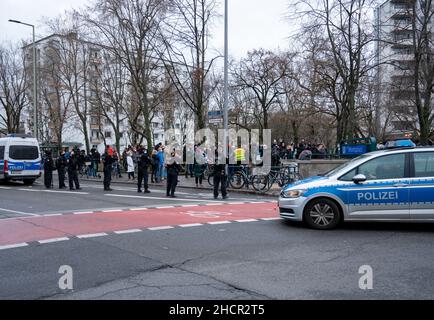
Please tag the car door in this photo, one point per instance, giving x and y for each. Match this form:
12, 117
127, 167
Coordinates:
385, 193
422, 186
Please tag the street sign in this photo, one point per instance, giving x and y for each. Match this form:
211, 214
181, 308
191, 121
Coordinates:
216, 120
215, 114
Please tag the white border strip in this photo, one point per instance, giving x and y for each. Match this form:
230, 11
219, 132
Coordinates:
53, 240
92, 235
128, 231
12, 246
219, 222
190, 225
160, 228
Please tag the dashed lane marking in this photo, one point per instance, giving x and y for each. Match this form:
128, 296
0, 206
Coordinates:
128, 231
13, 246
160, 228
124, 232
246, 220
219, 222
190, 225
53, 240
92, 235
160, 198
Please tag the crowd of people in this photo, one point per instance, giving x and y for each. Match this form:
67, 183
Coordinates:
70, 164
301, 151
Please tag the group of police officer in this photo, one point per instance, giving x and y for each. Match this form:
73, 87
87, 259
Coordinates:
173, 166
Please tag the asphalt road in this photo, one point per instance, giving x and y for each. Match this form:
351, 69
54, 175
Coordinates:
233, 259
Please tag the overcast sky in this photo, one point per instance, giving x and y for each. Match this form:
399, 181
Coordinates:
252, 23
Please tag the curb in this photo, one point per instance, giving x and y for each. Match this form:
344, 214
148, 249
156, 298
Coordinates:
272, 194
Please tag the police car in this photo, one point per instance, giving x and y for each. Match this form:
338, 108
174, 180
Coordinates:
20, 158
386, 185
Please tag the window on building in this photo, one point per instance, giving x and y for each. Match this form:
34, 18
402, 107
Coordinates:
108, 134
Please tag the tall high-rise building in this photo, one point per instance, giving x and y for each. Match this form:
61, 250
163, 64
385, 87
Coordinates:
396, 59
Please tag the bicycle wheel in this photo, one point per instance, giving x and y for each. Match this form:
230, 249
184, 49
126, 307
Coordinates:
211, 179
237, 180
260, 182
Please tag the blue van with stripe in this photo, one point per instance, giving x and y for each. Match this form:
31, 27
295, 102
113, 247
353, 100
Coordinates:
20, 159
387, 185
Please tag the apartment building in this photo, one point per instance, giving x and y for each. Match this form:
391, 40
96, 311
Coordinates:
70, 72
395, 56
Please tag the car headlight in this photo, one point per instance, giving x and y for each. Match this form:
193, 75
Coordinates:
292, 193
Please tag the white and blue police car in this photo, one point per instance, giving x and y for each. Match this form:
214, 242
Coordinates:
20, 159
388, 185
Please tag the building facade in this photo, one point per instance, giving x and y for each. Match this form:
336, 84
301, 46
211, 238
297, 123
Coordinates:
396, 64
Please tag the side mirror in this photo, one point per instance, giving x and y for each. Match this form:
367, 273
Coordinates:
359, 178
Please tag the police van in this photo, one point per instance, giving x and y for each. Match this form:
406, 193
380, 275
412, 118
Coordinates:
20, 159
387, 185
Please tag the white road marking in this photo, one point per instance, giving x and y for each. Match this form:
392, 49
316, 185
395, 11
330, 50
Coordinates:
190, 225
271, 219
219, 222
128, 231
94, 235
138, 209
54, 191
160, 228
165, 207
20, 212
83, 212
189, 205
246, 220
52, 215
53, 240
214, 204
108, 211
232, 203
6, 188
158, 198
12, 246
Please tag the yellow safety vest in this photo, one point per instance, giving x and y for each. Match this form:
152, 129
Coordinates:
240, 154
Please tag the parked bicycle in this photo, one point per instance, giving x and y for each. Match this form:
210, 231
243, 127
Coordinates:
280, 175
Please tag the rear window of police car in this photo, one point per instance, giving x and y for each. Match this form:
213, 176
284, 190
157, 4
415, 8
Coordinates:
23, 152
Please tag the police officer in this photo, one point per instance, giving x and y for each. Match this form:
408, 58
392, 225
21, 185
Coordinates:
48, 169
219, 174
107, 160
142, 168
73, 167
173, 167
61, 164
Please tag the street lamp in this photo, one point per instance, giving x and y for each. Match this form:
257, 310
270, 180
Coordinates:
226, 93
35, 103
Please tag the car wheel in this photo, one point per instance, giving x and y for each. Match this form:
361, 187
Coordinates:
322, 214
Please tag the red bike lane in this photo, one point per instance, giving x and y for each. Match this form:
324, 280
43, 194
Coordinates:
29, 229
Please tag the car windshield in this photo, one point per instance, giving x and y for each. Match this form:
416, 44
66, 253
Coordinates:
345, 165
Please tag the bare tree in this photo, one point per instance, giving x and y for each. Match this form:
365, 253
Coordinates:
131, 30
344, 56
13, 89
187, 55
111, 94
262, 72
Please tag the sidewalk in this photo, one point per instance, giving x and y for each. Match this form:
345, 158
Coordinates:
187, 183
